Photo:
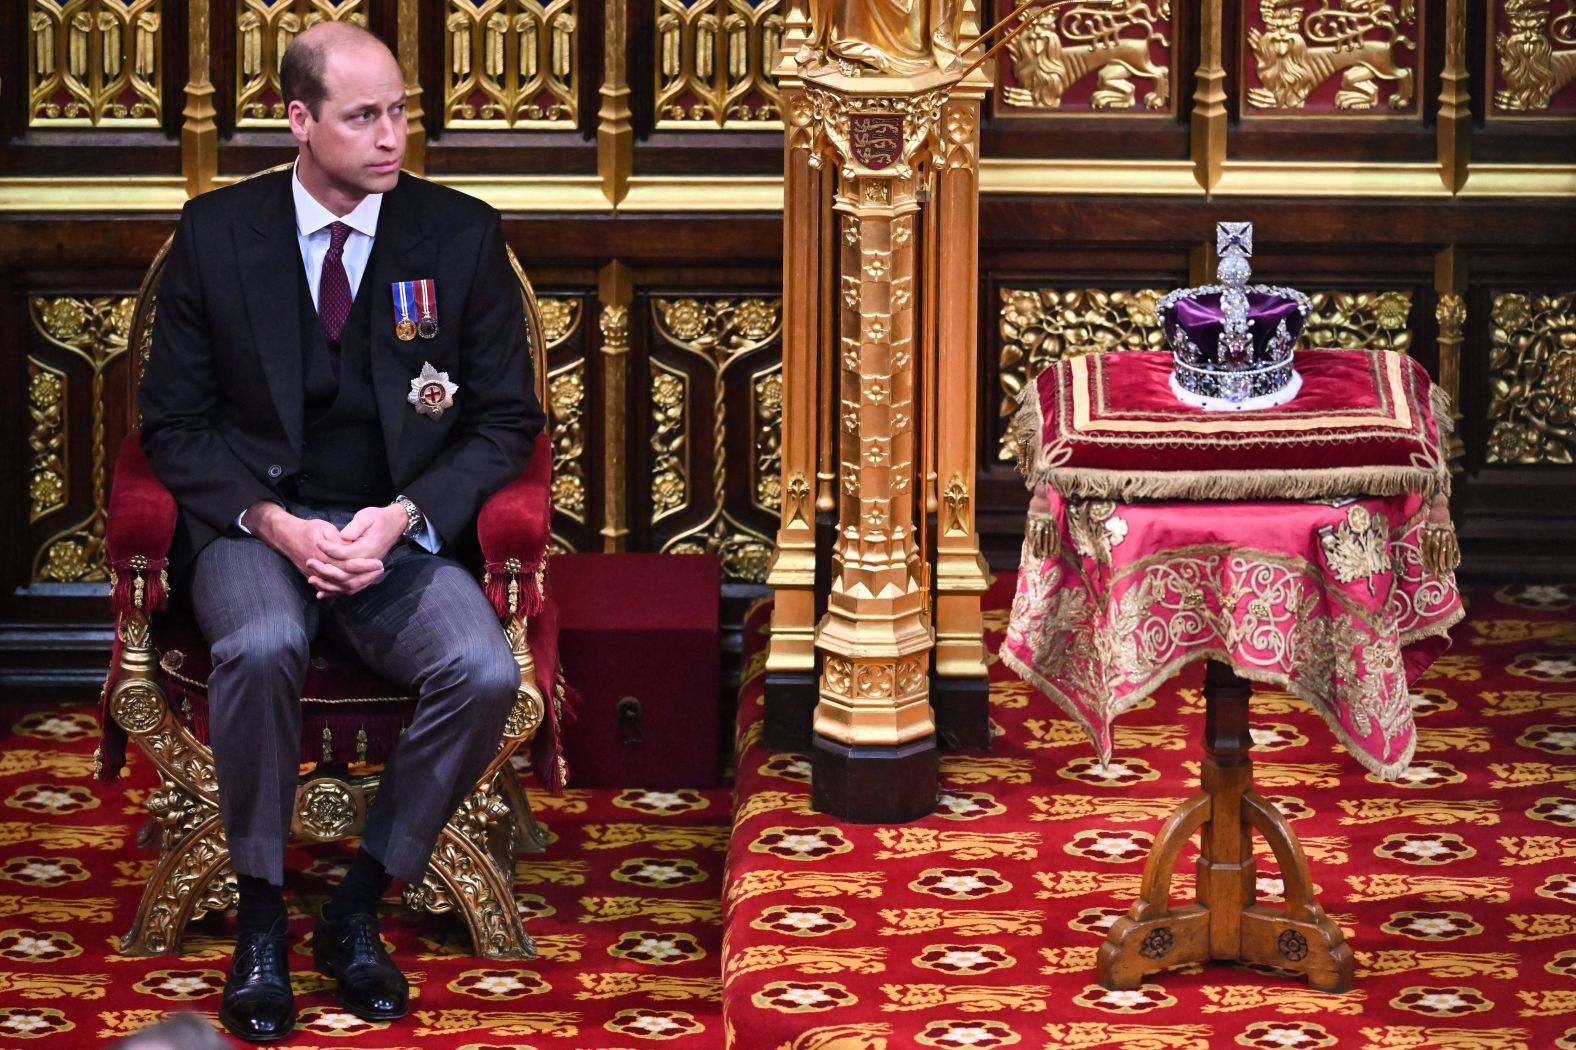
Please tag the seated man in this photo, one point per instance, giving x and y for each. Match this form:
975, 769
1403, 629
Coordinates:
338, 380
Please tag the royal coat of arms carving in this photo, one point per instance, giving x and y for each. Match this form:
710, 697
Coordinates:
1363, 42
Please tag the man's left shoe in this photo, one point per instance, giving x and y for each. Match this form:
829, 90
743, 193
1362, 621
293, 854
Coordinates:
350, 951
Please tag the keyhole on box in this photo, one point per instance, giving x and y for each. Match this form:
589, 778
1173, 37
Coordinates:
630, 731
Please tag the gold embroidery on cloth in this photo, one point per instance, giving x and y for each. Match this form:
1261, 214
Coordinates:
1181, 609
1359, 548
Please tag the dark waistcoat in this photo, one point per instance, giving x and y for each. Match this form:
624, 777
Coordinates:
343, 459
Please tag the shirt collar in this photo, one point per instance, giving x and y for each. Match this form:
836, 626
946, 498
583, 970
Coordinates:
312, 216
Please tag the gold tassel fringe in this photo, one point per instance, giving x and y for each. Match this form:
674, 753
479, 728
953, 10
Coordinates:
1042, 536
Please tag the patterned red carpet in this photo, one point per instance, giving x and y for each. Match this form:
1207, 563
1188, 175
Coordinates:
972, 929
623, 906
977, 928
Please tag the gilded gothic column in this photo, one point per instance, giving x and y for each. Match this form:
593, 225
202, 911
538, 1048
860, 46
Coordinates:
960, 693
790, 654
409, 42
199, 132
1453, 123
1209, 98
874, 752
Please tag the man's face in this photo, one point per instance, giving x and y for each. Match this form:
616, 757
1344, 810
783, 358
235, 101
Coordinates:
357, 140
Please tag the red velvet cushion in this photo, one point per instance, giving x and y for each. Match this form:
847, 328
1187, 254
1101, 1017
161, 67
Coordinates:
340, 695
515, 525
1107, 426
141, 524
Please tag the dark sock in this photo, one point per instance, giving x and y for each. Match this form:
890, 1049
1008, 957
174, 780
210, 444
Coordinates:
259, 907
361, 889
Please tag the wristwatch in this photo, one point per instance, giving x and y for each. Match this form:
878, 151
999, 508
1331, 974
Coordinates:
415, 520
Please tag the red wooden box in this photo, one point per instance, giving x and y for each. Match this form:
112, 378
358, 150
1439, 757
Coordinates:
639, 641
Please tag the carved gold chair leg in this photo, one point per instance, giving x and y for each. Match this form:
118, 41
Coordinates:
529, 836
185, 822
183, 874
525, 718
468, 875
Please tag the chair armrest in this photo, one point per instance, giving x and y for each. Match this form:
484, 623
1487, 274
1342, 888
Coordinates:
140, 527
514, 530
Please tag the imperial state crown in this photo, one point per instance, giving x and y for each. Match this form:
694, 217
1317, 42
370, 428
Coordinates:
1231, 342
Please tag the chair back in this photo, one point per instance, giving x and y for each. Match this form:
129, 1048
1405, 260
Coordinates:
140, 338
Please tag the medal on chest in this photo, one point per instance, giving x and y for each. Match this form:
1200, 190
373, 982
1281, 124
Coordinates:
427, 308
431, 392
405, 309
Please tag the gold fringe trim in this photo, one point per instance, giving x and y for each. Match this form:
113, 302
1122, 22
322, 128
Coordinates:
1028, 430
1220, 485
1428, 481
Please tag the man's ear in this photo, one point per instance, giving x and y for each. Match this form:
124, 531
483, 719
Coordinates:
300, 117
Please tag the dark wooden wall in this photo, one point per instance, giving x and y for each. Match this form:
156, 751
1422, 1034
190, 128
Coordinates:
1427, 199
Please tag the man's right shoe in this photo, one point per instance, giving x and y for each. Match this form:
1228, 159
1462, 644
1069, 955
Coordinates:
258, 1005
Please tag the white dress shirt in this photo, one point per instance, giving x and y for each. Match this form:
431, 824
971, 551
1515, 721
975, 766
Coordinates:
313, 237
312, 234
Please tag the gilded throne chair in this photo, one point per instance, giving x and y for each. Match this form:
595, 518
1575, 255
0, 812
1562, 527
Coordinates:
156, 697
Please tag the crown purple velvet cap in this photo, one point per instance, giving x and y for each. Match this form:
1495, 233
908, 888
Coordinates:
1233, 341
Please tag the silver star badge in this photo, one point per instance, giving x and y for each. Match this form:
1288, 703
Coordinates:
431, 392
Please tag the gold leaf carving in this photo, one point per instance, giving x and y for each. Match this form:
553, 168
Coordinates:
1532, 379
1360, 321
46, 397
1294, 54
720, 332
713, 63
512, 64
93, 332
95, 63
264, 29
1537, 58
1069, 43
566, 400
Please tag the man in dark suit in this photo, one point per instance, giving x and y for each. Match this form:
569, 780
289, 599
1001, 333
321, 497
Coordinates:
338, 380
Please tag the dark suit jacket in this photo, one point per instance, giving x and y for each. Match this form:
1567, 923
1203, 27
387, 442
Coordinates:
222, 396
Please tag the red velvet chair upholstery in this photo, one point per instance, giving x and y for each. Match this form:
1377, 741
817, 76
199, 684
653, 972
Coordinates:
156, 694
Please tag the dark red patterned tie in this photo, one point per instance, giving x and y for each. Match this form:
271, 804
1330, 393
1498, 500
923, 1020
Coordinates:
333, 291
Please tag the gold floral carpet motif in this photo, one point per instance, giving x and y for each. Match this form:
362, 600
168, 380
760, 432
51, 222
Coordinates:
977, 927
623, 906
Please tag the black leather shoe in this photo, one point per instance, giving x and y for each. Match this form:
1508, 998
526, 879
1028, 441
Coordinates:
258, 1005
350, 951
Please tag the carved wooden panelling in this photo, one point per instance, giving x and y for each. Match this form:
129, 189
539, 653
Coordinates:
511, 64
263, 30
78, 416
1532, 378
1331, 57
572, 410
95, 63
1360, 321
1093, 57
713, 63
1532, 53
715, 410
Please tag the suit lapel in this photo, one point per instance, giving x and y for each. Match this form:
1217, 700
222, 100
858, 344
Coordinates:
400, 252
270, 267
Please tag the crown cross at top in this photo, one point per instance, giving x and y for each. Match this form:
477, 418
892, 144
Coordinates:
1236, 236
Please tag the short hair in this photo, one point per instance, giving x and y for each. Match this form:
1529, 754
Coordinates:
301, 68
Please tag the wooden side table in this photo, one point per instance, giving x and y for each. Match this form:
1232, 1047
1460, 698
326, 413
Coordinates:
1226, 922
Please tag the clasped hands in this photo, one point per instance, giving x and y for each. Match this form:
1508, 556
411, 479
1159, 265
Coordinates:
334, 561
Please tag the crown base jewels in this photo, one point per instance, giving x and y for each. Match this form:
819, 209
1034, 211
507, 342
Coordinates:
1232, 342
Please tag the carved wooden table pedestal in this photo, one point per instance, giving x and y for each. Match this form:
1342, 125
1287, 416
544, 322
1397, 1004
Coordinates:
1225, 922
